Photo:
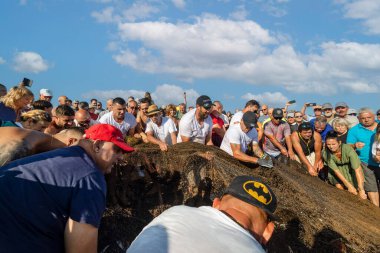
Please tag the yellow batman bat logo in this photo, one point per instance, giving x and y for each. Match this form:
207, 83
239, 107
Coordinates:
258, 191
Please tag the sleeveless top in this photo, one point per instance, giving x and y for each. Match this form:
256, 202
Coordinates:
307, 145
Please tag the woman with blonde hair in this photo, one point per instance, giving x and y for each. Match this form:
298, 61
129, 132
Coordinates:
171, 113
37, 120
14, 102
340, 126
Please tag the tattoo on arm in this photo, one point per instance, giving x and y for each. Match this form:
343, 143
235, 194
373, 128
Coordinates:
257, 150
13, 150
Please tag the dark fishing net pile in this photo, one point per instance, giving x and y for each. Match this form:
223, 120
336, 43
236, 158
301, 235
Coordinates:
313, 216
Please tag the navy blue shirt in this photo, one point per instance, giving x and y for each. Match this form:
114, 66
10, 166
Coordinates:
7, 113
39, 193
328, 128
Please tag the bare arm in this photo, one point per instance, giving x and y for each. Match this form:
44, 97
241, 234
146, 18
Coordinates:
360, 179
298, 149
276, 143
238, 154
288, 140
173, 136
150, 137
80, 237
317, 150
209, 140
303, 110
349, 186
257, 150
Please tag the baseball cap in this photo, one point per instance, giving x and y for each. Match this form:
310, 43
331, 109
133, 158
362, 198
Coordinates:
317, 107
106, 132
254, 191
250, 119
305, 126
351, 111
152, 109
327, 106
290, 114
46, 92
277, 113
341, 104
204, 101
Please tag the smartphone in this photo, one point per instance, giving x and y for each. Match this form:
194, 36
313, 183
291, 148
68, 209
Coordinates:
27, 82
312, 104
291, 102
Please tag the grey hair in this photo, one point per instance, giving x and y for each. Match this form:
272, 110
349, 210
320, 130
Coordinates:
340, 122
366, 110
320, 120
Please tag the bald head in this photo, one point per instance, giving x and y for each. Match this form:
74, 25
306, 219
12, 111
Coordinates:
70, 137
82, 115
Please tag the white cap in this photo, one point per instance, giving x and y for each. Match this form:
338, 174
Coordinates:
46, 92
350, 111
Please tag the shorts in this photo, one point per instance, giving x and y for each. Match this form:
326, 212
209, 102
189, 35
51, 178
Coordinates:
370, 180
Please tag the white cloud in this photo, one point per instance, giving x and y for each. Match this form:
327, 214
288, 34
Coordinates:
240, 13
180, 4
366, 10
275, 99
2, 61
163, 95
29, 62
273, 7
139, 10
106, 16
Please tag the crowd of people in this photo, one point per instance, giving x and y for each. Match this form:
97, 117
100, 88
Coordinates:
55, 157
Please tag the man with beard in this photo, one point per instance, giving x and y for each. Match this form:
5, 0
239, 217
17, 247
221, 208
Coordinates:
160, 130
308, 146
119, 118
54, 201
361, 137
64, 118
341, 109
196, 125
327, 110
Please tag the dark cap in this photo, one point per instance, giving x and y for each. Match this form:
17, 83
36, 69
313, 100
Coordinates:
305, 126
255, 192
204, 101
378, 112
341, 104
277, 113
250, 119
327, 106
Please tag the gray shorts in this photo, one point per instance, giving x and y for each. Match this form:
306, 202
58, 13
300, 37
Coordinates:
370, 180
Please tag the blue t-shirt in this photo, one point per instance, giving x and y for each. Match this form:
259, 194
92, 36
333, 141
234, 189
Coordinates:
7, 113
328, 128
39, 193
359, 133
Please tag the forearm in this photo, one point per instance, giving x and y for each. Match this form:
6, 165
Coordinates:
257, 150
276, 143
244, 157
360, 178
343, 179
153, 140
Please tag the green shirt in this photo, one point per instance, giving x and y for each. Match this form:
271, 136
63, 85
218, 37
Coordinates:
346, 166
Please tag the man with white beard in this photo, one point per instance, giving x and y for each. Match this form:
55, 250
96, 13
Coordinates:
327, 110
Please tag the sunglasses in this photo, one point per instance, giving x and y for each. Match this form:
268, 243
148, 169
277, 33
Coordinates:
317, 109
132, 107
277, 118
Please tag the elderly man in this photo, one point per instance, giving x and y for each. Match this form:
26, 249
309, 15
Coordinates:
196, 125
62, 100
322, 127
16, 142
46, 94
83, 119
277, 136
57, 199
119, 118
64, 118
361, 137
160, 130
250, 106
237, 140
264, 113
327, 110
133, 107
308, 146
241, 219
341, 109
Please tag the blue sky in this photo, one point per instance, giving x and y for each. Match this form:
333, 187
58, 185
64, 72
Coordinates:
233, 51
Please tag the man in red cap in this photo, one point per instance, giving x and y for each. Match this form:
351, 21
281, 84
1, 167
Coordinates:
53, 201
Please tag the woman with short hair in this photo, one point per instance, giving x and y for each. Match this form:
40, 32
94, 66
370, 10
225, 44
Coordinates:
37, 120
340, 126
171, 112
12, 104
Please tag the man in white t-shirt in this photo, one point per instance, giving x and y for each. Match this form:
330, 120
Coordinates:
250, 106
238, 222
119, 118
196, 125
160, 130
238, 138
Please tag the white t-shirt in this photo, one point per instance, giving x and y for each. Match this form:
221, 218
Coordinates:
235, 135
162, 132
189, 127
128, 122
235, 120
194, 230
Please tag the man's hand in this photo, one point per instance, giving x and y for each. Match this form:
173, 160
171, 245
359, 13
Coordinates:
362, 194
352, 190
312, 171
359, 145
292, 156
265, 162
163, 146
284, 151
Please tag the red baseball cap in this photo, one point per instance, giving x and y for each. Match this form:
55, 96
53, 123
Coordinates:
106, 132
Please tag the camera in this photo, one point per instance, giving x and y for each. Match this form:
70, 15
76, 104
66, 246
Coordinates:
27, 82
312, 104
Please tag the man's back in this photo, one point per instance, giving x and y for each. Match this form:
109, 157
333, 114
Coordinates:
188, 229
40, 192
